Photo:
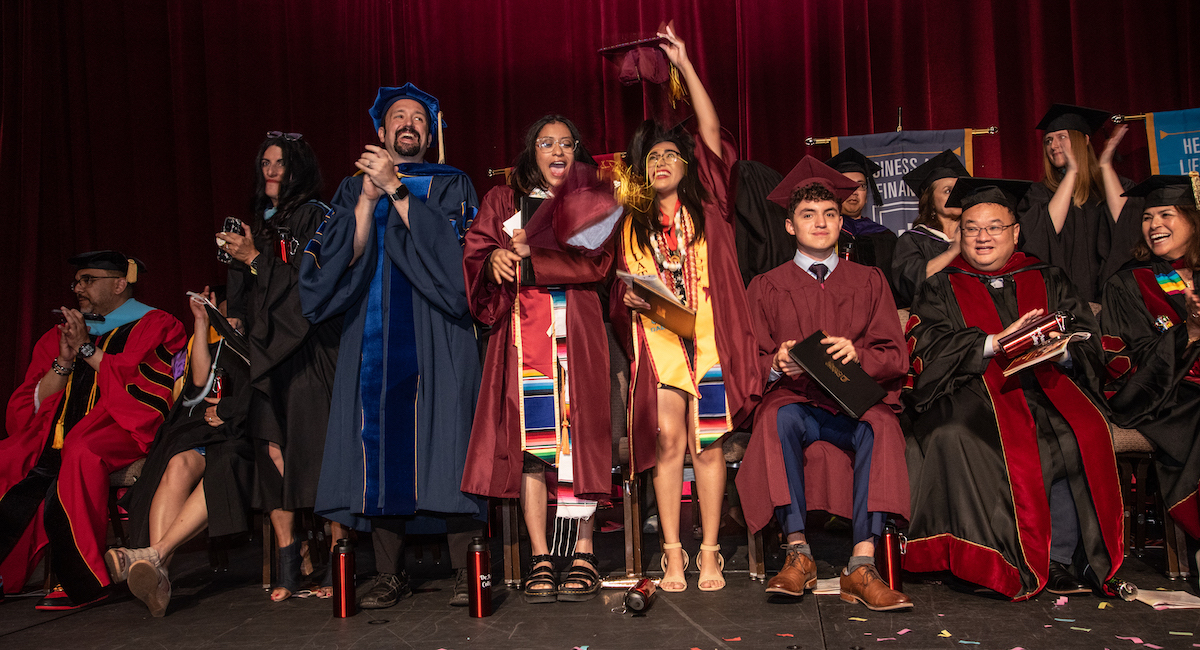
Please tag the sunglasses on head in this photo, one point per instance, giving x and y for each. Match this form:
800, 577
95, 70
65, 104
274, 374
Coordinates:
290, 137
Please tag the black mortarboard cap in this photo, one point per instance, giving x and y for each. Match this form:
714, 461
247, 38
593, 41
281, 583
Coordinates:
1075, 118
943, 165
1168, 190
810, 170
852, 160
109, 261
970, 191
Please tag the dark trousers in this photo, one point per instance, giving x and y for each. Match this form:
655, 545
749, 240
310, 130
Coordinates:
387, 537
801, 425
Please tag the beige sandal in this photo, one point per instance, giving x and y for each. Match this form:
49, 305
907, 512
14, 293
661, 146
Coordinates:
662, 584
715, 548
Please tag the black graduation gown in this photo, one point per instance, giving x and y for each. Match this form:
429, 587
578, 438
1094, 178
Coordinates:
1155, 379
292, 362
980, 485
1090, 247
914, 249
228, 454
761, 238
869, 244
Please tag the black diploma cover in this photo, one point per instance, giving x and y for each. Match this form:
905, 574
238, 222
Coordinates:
853, 389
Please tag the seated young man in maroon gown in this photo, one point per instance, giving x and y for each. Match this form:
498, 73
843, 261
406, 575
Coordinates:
93, 397
1014, 480
852, 304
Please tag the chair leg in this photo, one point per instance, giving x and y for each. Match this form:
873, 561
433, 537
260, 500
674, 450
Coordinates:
512, 544
1125, 476
755, 556
633, 527
268, 553
1144, 501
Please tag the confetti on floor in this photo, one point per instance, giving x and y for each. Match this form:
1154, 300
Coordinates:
860, 620
1103, 605
777, 634
1153, 647
944, 634
1062, 600
1081, 629
1135, 639
1181, 633
736, 638
886, 638
1065, 620
904, 631
968, 642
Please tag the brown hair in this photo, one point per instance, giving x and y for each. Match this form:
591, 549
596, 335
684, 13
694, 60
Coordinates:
1141, 250
812, 192
1087, 181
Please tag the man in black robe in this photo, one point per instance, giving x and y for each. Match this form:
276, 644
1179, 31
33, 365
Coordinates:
1013, 478
863, 240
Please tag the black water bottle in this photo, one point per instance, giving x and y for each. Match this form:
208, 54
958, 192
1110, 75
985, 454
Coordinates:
640, 596
345, 604
479, 566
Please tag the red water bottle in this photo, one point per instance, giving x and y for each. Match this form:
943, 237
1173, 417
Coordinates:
888, 550
479, 566
640, 596
345, 604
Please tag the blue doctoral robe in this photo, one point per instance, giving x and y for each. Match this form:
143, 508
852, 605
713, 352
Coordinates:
408, 354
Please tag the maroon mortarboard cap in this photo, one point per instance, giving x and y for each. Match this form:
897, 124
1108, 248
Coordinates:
641, 60
808, 171
581, 215
1074, 118
970, 192
1161, 190
943, 165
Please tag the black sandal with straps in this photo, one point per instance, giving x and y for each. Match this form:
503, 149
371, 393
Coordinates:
585, 575
540, 577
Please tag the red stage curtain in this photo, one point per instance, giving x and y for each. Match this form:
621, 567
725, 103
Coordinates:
131, 124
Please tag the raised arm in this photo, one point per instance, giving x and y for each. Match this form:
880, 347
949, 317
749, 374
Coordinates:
1112, 183
708, 123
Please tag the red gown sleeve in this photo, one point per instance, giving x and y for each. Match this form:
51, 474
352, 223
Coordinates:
136, 384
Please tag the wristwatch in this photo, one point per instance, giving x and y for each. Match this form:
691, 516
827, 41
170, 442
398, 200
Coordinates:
87, 349
400, 194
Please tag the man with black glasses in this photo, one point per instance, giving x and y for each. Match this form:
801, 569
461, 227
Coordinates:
93, 397
1014, 480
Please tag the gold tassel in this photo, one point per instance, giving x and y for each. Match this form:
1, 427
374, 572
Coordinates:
631, 192
131, 272
678, 88
1195, 177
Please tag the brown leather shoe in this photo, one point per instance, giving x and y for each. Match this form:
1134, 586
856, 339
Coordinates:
865, 586
799, 573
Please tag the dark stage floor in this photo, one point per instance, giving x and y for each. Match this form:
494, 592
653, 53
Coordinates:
230, 610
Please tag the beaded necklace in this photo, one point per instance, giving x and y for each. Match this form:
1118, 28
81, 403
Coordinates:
676, 267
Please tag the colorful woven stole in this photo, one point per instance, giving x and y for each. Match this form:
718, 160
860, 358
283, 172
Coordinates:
668, 356
1155, 289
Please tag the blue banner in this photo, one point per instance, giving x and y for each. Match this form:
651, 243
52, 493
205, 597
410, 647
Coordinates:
898, 153
1174, 138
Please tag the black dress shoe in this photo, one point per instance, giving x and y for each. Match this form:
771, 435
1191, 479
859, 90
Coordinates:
462, 596
1063, 582
385, 591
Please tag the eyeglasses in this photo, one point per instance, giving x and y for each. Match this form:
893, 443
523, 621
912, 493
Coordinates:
669, 158
290, 137
568, 144
973, 231
87, 280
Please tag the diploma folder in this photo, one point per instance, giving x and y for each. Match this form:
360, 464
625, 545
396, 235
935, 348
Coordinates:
665, 308
848, 384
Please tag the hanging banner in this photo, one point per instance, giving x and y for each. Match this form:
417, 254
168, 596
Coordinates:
1174, 138
898, 153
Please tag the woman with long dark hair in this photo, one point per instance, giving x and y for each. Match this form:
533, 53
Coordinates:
1076, 217
1151, 324
688, 390
933, 241
291, 361
544, 401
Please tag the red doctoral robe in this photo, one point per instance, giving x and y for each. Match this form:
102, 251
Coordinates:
855, 302
495, 458
109, 417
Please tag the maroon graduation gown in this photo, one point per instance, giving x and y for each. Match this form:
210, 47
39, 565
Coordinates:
494, 457
856, 303
734, 331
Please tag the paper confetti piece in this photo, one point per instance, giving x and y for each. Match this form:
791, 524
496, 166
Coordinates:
1081, 629
887, 638
1062, 600
777, 634
1103, 605
904, 631
1181, 633
968, 642
1065, 620
941, 614
1135, 639
736, 638
860, 620
1047, 626
944, 634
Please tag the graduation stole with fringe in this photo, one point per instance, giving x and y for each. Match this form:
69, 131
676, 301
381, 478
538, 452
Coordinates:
1156, 289
668, 356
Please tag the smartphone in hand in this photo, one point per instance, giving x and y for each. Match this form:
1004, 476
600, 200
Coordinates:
232, 224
